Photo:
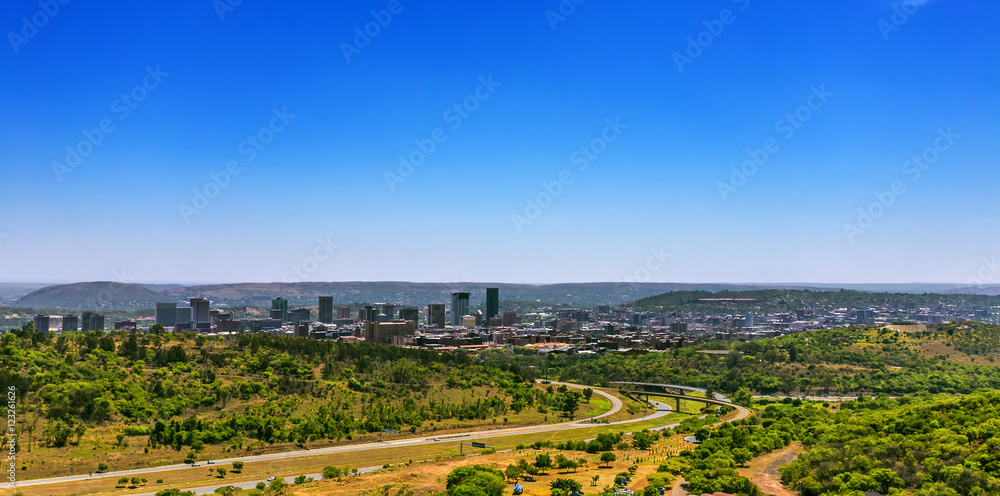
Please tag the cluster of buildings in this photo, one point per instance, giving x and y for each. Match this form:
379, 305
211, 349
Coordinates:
570, 330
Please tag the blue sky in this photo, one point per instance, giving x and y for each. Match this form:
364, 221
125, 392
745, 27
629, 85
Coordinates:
325, 197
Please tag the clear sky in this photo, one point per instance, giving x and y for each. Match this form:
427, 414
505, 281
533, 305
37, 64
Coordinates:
667, 99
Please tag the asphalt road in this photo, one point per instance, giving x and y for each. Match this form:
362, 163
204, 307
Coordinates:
616, 406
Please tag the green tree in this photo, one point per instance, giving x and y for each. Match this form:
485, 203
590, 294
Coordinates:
542, 462
886, 479
742, 456
222, 472
476, 480
238, 466
607, 457
513, 472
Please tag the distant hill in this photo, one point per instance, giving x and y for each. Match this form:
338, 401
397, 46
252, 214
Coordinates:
117, 296
92, 296
783, 300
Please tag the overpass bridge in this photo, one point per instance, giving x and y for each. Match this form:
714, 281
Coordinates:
673, 391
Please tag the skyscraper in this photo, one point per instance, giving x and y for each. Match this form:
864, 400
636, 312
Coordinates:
42, 323
343, 312
200, 310
436, 314
492, 303
281, 305
409, 313
92, 321
166, 314
459, 307
326, 309
70, 323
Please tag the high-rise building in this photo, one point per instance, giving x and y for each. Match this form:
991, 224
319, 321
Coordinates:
343, 312
92, 321
166, 314
184, 315
200, 310
436, 315
300, 315
748, 320
42, 323
70, 323
326, 309
509, 318
302, 330
281, 305
371, 315
492, 303
459, 308
409, 313
387, 308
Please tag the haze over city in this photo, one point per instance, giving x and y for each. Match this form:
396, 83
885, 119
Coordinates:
522, 142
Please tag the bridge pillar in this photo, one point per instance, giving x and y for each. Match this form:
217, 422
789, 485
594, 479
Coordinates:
678, 405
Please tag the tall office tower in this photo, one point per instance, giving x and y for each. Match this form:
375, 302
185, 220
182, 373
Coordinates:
509, 318
326, 309
200, 310
388, 309
42, 323
370, 314
92, 321
300, 315
184, 315
409, 313
492, 303
281, 305
749, 319
85, 320
435, 314
166, 314
302, 330
459, 308
70, 323
343, 312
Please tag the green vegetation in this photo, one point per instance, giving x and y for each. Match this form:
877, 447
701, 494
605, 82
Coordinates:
477, 480
185, 393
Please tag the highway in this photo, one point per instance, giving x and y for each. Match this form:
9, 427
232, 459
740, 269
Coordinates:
616, 406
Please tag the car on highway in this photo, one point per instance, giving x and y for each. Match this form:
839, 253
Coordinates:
195, 464
437, 439
271, 478
211, 462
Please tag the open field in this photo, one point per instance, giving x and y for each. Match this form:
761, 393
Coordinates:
424, 454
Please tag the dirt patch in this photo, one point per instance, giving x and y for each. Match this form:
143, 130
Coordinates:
763, 470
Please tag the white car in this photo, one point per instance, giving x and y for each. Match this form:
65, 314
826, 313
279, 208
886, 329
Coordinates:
271, 478
211, 462
195, 464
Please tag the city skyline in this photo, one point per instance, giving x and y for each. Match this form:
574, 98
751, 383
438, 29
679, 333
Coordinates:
514, 142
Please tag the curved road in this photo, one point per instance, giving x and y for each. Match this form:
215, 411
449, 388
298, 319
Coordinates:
616, 406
